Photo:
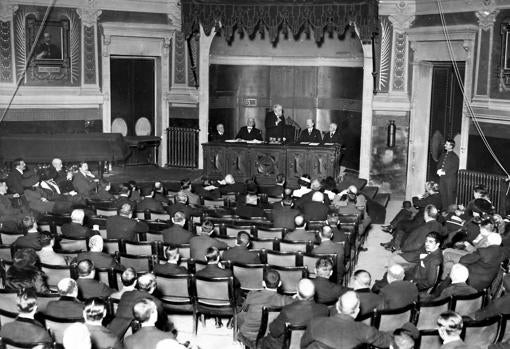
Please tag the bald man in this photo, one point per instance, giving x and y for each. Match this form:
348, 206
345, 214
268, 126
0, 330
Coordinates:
361, 280
341, 331
298, 313
317, 209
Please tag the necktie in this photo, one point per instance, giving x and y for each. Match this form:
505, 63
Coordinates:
249, 129
331, 135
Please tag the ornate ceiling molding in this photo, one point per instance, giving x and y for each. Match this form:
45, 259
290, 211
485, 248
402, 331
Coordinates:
292, 16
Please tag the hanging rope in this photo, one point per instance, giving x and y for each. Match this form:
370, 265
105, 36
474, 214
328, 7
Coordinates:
465, 98
29, 57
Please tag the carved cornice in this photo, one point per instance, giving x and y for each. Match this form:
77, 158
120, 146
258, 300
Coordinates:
6, 11
401, 22
174, 14
486, 18
397, 7
88, 16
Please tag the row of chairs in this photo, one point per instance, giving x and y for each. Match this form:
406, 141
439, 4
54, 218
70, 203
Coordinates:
479, 333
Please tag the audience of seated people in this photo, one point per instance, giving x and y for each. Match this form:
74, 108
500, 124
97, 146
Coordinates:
477, 245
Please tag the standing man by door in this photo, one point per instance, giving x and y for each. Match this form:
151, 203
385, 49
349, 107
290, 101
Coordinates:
447, 168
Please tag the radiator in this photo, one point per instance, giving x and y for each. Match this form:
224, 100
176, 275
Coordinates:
496, 187
182, 147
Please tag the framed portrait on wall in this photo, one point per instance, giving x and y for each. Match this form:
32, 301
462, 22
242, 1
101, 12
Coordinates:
51, 43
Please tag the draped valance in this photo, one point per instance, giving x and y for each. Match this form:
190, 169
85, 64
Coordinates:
317, 16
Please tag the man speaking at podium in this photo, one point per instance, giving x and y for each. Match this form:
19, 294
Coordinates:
275, 123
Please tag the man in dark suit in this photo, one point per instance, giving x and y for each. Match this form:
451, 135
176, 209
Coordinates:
284, 214
398, 292
199, 244
19, 180
124, 198
328, 246
123, 226
333, 136
249, 132
218, 135
9, 215
100, 336
84, 181
249, 208
275, 123
241, 253
75, 228
361, 280
249, 317
176, 234
411, 247
148, 202
459, 275
341, 331
88, 287
301, 312
181, 204
315, 186
213, 269
145, 311
326, 292
96, 255
124, 315
484, 263
171, 266
32, 237
447, 168
25, 329
316, 210
67, 306
310, 134
62, 178
300, 233
425, 273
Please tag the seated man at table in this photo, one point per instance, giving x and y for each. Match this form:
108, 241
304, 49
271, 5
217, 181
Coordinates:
249, 132
310, 134
333, 136
218, 135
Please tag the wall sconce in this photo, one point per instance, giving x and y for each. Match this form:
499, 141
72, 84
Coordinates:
392, 132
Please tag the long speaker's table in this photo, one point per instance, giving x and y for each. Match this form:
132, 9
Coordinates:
244, 160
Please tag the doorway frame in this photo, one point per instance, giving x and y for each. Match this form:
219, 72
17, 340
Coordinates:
429, 45
140, 40
156, 63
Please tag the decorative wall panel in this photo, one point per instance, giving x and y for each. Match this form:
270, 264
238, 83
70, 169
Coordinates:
180, 59
5, 52
63, 68
89, 55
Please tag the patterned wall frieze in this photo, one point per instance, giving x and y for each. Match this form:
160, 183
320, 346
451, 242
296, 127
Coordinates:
6, 72
89, 55
400, 62
399, 66
180, 59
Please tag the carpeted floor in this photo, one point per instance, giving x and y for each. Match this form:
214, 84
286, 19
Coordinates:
148, 174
